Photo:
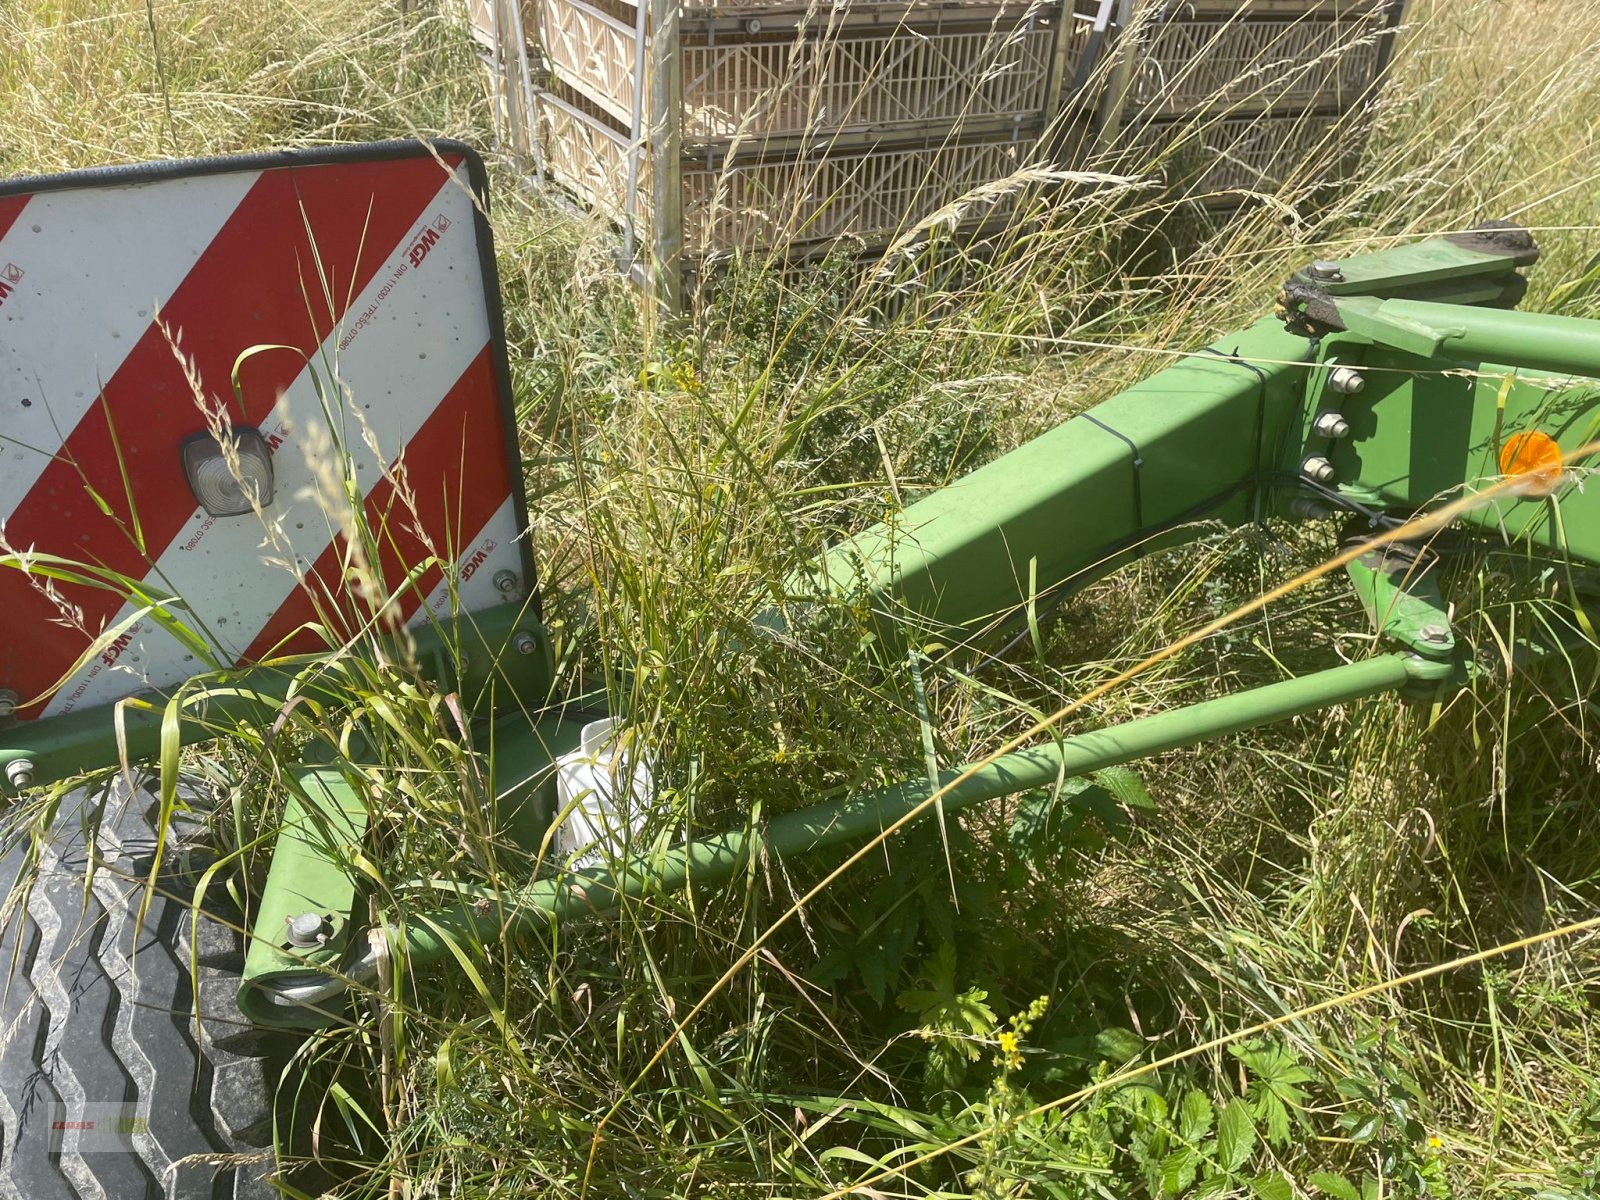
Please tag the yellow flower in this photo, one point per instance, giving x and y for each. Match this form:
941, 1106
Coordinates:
1010, 1055
1435, 1143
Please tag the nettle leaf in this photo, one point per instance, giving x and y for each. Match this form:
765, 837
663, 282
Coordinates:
1178, 1171
1124, 783
1236, 1136
1045, 820
1195, 1115
1352, 1088
1030, 823
1336, 1186
1271, 1186
883, 952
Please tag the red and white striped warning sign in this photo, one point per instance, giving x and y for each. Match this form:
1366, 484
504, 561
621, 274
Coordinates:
338, 302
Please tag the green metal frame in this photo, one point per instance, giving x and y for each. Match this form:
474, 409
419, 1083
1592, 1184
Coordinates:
1386, 385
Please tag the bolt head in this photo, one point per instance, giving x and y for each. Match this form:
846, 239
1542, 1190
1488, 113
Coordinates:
525, 643
1318, 468
1331, 425
1326, 270
19, 773
752, 25
1347, 381
1436, 634
307, 929
506, 581
8, 703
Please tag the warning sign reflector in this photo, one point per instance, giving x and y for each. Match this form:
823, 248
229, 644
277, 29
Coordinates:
342, 303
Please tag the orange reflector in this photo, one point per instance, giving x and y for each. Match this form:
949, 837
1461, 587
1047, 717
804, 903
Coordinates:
1534, 460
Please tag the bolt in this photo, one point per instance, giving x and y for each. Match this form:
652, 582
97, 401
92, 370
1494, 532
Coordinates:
525, 643
752, 25
1317, 468
1326, 271
1308, 509
1347, 381
19, 772
506, 581
1438, 635
8, 703
1330, 425
307, 929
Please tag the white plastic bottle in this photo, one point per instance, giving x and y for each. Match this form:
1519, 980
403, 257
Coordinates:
605, 788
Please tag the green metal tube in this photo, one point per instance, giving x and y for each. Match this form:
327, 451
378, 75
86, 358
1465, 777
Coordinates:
503, 646
1537, 341
1079, 500
716, 859
323, 826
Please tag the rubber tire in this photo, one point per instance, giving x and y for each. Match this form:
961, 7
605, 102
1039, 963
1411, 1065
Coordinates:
99, 1013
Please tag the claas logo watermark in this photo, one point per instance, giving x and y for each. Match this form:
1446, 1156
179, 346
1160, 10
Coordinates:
96, 1127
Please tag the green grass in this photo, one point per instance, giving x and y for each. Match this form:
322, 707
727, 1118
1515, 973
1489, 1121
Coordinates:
675, 472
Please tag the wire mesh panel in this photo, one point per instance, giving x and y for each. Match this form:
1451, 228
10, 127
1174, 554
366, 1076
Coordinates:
872, 194
762, 203
1220, 161
585, 155
791, 124
592, 52
1186, 62
844, 80
823, 78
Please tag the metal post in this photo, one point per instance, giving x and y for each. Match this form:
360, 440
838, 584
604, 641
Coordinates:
311, 880
1066, 24
530, 125
1124, 53
666, 102
1391, 31
636, 135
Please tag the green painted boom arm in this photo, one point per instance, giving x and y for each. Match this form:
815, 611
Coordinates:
1085, 497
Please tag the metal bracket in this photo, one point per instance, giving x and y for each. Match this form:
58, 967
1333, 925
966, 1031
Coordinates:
1477, 267
1399, 588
